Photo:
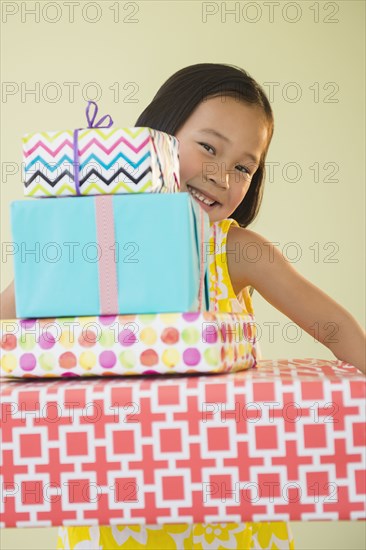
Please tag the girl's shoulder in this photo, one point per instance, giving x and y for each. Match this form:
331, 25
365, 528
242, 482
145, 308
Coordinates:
229, 225
248, 254
243, 234
245, 250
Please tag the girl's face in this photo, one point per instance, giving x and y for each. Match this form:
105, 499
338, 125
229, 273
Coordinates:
220, 146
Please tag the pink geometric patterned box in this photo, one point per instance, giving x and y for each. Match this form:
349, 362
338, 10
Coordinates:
282, 441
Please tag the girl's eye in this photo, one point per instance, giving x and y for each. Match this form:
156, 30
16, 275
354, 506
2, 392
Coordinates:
244, 170
209, 146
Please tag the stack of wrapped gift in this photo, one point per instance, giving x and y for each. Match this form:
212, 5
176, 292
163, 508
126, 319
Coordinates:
284, 441
111, 276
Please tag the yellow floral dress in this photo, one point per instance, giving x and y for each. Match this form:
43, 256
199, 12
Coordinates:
196, 536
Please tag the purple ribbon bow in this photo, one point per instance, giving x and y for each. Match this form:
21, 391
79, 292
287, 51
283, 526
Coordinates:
91, 124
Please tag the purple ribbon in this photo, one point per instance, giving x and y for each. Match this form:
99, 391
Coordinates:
91, 124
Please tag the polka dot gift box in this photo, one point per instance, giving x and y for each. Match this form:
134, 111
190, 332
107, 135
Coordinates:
127, 345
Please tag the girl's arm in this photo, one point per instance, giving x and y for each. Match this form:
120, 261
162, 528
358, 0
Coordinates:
7, 303
297, 298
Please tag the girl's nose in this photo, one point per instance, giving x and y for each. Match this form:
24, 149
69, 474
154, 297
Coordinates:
224, 182
221, 176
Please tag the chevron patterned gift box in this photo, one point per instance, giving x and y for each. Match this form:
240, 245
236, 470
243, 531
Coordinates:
99, 160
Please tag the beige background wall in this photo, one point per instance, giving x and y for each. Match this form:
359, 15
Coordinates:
308, 56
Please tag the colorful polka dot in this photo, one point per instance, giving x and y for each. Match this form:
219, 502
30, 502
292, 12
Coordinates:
8, 342
68, 338
169, 318
190, 335
87, 338
108, 338
27, 323
27, 362
210, 334
67, 360
44, 321
190, 317
149, 358
107, 359
208, 316
191, 357
229, 355
241, 349
170, 357
239, 334
8, 362
127, 337
249, 330
123, 319
212, 356
170, 335
47, 361
107, 320
90, 320
27, 341
87, 360
127, 359
148, 336
147, 319
46, 340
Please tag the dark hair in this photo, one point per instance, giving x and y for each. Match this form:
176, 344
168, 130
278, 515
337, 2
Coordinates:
177, 98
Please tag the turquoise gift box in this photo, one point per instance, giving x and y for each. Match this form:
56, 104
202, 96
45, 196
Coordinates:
109, 254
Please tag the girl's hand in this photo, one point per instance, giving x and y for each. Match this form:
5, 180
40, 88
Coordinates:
7, 303
296, 297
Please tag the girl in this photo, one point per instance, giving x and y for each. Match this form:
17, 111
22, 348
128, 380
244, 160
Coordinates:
224, 124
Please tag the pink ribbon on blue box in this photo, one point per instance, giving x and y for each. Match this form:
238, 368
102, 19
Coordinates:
107, 268
108, 285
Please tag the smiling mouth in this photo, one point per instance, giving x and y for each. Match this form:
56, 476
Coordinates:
202, 198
